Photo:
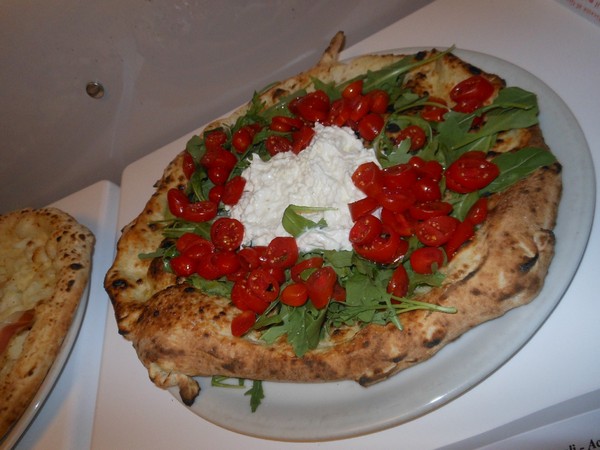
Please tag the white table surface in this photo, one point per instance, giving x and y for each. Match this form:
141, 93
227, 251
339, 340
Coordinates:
554, 379
66, 418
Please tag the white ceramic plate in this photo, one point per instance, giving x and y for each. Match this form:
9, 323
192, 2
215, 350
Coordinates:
309, 412
47, 385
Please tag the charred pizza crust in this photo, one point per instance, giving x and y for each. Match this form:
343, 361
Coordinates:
45, 264
180, 333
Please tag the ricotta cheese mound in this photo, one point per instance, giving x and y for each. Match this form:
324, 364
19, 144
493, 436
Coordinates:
319, 176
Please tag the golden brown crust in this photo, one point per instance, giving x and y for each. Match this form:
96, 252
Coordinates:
45, 266
180, 333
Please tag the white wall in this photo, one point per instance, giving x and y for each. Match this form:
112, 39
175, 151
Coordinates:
167, 67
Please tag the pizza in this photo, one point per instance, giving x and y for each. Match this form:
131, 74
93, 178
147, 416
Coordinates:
344, 224
45, 263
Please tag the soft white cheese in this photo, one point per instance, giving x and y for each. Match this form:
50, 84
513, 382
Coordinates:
319, 176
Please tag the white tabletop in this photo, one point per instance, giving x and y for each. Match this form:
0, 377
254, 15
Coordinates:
554, 378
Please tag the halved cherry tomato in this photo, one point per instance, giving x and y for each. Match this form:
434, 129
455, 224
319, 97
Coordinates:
362, 207
368, 177
384, 249
365, 230
379, 101
353, 90
215, 194
245, 300
427, 210
233, 190
295, 294
339, 113
400, 222
464, 231
201, 211
425, 259
207, 270
227, 233
186, 240
183, 265
177, 201
263, 284
396, 199
400, 176
478, 212
470, 174
226, 262
214, 139
302, 138
218, 157
339, 293
471, 93
313, 107
277, 143
359, 107
436, 231
426, 190
417, 137
282, 252
218, 174
296, 272
249, 258
189, 166
398, 284
370, 126
200, 249
433, 113
242, 139
242, 323
320, 286
285, 124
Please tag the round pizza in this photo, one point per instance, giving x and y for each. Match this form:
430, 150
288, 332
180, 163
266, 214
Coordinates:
45, 265
344, 224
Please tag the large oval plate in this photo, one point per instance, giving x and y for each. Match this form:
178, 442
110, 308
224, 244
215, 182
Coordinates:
302, 412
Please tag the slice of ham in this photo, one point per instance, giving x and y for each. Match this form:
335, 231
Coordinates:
14, 323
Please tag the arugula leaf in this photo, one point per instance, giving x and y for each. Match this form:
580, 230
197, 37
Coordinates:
295, 224
219, 288
256, 394
515, 166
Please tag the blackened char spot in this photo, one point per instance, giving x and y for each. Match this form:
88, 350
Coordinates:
527, 265
474, 70
420, 56
76, 266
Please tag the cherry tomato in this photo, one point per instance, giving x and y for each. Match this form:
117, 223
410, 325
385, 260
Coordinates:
227, 234
245, 300
400, 176
233, 190
368, 177
339, 293
183, 265
471, 93
242, 323
214, 139
416, 135
339, 113
320, 286
365, 230
207, 270
219, 157
353, 90
436, 231
362, 207
277, 272
396, 199
215, 194
359, 107
249, 258
278, 144
470, 174
201, 211
177, 201
426, 190
426, 210
433, 113
218, 174
398, 284
187, 240
478, 212
425, 259
295, 294
285, 124
242, 139
297, 270
384, 249
263, 284
370, 126
302, 138
313, 107
282, 252
400, 222
379, 101
189, 166
464, 231
226, 262
200, 249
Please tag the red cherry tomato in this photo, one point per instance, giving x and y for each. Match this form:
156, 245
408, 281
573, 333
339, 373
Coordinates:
302, 138
353, 90
320, 286
416, 135
189, 166
242, 323
436, 231
188, 240
207, 270
470, 174
400, 176
218, 174
242, 139
295, 294
400, 222
425, 259
278, 144
398, 284
339, 113
245, 300
359, 107
384, 249
396, 199
177, 201
478, 212
201, 211
226, 262
285, 124
296, 272
219, 157
379, 101
313, 107
370, 126
464, 231
227, 234
362, 207
233, 190
365, 230
215, 194
471, 93
214, 139
427, 210
183, 265
368, 177
249, 258
426, 190
282, 252
263, 284
433, 113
